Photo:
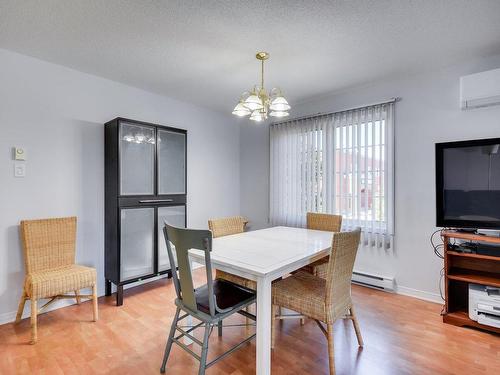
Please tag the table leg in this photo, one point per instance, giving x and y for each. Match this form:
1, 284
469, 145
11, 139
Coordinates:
263, 366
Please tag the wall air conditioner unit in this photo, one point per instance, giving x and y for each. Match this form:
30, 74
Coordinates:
373, 281
480, 89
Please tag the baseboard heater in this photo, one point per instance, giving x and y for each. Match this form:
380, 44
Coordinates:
373, 281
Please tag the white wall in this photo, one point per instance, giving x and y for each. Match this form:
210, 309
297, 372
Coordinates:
428, 113
57, 115
254, 173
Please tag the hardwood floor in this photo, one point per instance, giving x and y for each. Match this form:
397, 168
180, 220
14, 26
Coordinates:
402, 336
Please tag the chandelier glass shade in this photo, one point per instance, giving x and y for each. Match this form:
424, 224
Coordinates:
260, 104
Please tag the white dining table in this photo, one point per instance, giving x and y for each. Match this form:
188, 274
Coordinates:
263, 256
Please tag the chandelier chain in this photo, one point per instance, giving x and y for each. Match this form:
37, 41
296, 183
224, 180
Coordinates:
262, 75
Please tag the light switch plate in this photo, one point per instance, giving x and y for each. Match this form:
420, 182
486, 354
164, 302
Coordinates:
19, 170
19, 153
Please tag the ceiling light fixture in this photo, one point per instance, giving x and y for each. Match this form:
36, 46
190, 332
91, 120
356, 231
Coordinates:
258, 103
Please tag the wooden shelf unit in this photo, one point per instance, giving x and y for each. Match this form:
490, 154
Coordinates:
460, 269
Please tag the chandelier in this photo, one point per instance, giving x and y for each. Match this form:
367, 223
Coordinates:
258, 103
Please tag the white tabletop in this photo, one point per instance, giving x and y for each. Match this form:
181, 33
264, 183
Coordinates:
266, 251
265, 255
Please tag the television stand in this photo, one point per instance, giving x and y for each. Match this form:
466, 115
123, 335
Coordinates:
460, 269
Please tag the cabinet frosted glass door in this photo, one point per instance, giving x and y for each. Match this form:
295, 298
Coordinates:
136, 242
137, 152
173, 215
171, 162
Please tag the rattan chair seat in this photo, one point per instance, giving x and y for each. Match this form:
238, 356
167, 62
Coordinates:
59, 280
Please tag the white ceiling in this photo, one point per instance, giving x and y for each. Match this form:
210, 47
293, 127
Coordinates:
203, 51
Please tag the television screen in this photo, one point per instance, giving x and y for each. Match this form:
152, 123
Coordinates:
468, 184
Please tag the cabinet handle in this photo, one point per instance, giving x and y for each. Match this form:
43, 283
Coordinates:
156, 200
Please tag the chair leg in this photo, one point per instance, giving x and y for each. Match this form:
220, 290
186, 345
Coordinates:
20, 309
94, 302
34, 313
204, 350
331, 351
219, 328
77, 297
355, 323
274, 310
170, 341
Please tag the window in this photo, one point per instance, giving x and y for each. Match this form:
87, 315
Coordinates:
340, 163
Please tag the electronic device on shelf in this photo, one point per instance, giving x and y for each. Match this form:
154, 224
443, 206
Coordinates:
468, 184
479, 248
484, 304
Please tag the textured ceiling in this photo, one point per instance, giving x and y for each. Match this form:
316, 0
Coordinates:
203, 51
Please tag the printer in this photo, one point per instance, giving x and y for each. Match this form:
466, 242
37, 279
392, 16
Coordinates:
484, 304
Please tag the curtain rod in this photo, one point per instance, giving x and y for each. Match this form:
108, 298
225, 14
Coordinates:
391, 100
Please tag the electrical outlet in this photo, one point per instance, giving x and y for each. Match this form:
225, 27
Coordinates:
19, 170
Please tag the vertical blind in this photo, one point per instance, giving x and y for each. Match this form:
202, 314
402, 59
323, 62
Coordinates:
340, 163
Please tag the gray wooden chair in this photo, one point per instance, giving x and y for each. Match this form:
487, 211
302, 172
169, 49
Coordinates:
210, 304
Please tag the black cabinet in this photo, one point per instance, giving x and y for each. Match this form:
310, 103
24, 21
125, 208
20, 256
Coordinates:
145, 186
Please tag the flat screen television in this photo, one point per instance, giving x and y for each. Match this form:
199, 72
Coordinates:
468, 184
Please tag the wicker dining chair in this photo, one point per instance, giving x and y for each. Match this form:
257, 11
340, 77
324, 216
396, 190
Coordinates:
324, 222
323, 300
49, 256
226, 227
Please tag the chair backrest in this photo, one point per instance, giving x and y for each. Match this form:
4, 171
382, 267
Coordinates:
325, 222
340, 266
227, 226
48, 243
184, 240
